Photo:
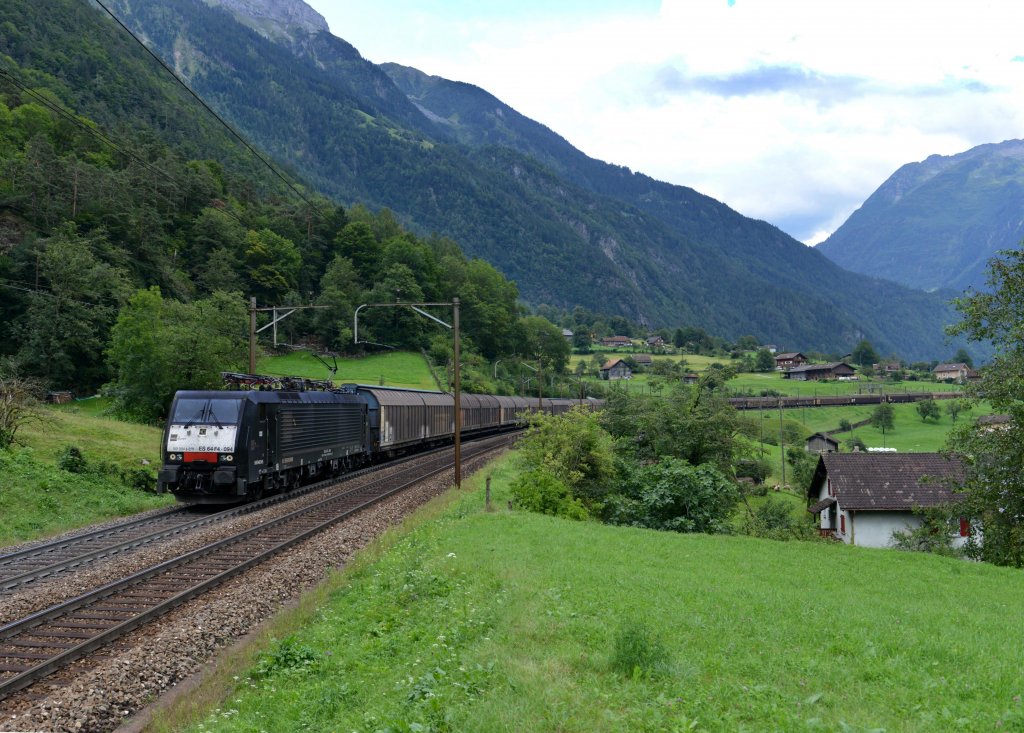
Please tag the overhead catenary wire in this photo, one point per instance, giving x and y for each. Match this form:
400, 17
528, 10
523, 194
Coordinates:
259, 156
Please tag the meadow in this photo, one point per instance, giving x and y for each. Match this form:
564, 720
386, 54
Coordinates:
39, 499
468, 620
391, 369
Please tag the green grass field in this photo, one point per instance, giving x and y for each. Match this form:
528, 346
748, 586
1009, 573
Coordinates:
506, 621
392, 369
38, 499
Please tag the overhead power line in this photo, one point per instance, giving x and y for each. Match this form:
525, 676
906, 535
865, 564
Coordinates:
209, 109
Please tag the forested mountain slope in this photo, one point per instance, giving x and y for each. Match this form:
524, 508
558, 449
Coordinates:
935, 224
568, 229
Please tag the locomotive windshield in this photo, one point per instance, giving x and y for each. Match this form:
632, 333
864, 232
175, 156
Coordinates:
204, 411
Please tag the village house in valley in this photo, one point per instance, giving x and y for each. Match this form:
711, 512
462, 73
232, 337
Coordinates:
958, 372
616, 369
862, 498
789, 360
815, 372
616, 341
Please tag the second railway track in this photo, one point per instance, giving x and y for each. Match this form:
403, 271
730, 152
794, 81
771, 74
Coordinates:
43, 642
44, 560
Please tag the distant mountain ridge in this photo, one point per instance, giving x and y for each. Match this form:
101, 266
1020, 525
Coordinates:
450, 158
935, 224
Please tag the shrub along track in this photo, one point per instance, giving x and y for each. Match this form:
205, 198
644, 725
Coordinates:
94, 693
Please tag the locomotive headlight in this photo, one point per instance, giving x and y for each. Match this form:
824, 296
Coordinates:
227, 457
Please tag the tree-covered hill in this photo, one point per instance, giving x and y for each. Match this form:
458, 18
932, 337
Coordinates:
568, 229
935, 224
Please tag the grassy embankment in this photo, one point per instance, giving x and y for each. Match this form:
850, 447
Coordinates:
38, 499
505, 621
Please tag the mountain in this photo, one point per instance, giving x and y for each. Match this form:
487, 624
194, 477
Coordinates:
935, 224
452, 159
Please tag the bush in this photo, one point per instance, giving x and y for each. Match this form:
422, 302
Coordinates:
673, 495
71, 460
756, 469
539, 491
774, 520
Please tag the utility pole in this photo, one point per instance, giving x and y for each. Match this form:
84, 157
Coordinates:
782, 444
457, 378
275, 319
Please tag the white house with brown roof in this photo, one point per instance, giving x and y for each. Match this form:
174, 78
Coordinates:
957, 372
862, 498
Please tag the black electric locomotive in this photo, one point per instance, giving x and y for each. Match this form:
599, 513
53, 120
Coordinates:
233, 446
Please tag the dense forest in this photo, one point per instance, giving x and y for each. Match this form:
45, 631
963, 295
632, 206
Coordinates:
124, 261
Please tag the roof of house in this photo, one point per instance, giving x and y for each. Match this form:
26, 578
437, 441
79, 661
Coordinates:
789, 355
889, 481
622, 339
830, 367
567, 332
655, 339
643, 359
823, 436
612, 363
951, 367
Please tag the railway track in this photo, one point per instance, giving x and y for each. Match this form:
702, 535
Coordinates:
43, 642
39, 562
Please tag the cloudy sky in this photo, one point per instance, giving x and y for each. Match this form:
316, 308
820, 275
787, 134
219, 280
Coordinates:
792, 111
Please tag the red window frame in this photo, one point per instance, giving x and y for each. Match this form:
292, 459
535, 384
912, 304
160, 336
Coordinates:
842, 524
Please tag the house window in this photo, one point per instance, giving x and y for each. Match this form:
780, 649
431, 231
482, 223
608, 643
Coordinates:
965, 527
842, 524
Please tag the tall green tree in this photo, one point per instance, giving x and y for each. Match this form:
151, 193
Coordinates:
159, 346
64, 331
273, 264
994, 458
864, 353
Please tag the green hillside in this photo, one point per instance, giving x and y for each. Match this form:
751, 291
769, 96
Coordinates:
506, 621
537, 209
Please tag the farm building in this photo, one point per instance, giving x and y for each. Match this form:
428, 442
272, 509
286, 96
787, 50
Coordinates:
616, 341
958, 372
862, 498
643, 360
568, 335
655, 342
691, 378
789, 360
616, 369
816, 372
821, 443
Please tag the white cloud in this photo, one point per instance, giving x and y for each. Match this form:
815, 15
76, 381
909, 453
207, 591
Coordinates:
792, 111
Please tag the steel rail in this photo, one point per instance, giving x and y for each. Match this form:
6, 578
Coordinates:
96, 635
29, 558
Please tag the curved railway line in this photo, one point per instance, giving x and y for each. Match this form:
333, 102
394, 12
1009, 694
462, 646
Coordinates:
43, 642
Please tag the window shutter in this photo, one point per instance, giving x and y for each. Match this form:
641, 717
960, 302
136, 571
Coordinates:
842, 523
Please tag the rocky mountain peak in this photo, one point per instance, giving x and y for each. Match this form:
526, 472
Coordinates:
275, 18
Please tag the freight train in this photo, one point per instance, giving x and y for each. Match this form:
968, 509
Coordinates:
771, 403
232, 446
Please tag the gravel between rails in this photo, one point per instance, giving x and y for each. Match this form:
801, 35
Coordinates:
49, 591
101, 692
